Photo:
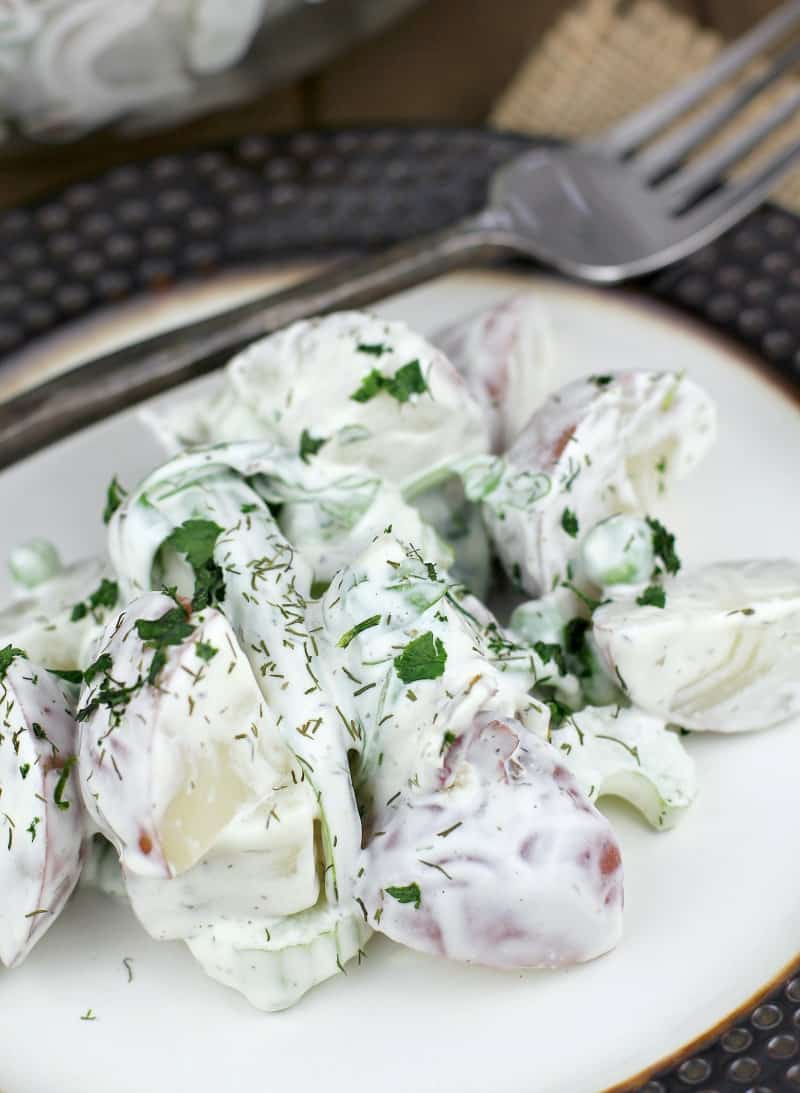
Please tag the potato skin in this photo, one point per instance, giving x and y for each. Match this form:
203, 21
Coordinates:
43, 818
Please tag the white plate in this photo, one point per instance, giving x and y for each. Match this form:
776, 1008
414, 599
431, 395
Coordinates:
712, 908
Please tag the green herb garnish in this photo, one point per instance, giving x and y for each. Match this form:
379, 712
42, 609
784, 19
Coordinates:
408, 893
205, 650
310, 445
547, 651
422, 658
115, 495
101, 666
653, 596
448, 740
589, 601
69, 675
559, 713
171, 629
365, 624
7, 656
105, 595
406, 381
569, 522
196, 539
69, 763
664, 545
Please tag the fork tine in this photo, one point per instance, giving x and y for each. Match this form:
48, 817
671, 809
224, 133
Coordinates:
682, 190
627, 135
663, 157
710, 218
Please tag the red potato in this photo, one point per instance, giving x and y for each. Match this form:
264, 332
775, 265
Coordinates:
166, 764
599, 446
506, 864
42, 819
506, 355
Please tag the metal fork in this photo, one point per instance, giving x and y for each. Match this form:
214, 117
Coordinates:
604, 210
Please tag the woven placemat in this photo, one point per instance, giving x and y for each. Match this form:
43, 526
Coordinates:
605, 58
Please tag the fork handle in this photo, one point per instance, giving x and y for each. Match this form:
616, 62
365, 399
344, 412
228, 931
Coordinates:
117, 380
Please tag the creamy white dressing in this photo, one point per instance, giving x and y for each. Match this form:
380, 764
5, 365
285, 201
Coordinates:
41, 622
622, 752
315, 730
310, 378
723, 654
600, 446
42, 820
618, 550
507, 356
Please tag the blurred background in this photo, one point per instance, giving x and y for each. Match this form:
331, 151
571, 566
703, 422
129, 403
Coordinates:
85, 84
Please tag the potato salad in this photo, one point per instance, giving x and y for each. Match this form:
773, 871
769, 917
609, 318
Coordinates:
366, 650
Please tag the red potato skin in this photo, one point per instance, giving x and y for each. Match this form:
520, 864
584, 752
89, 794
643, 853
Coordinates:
42, 863
527, 873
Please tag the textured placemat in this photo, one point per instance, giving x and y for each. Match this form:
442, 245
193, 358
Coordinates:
605, 58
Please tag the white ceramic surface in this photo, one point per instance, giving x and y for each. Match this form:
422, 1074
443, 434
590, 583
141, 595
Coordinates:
712, 908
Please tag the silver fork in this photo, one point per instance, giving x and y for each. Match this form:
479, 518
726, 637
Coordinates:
604, 210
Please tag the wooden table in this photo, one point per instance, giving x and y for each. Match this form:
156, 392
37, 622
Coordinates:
447, 61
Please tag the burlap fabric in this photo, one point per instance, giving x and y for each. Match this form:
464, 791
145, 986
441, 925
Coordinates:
605, 58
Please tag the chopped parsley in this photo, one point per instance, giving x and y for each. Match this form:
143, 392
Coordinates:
105, 595
448, 740
371, 385
196, 539
171, 629
31, 828
8, 655
115, 696
310, 445
69, 675
664, 545
205, 650
569, 522
422, 658
248, 508
376, 349
408, 893
115, 495
406, 381
559, 713
653, 596
548, 651
365, 624
578, 654
601, 381
101, 666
